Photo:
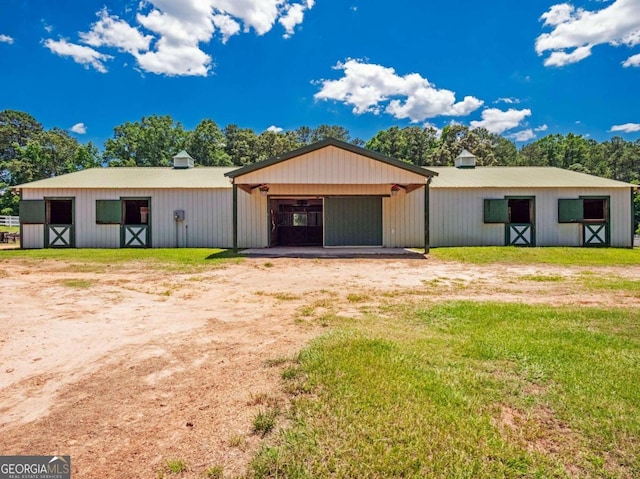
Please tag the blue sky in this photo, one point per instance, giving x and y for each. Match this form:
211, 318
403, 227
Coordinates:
523, 69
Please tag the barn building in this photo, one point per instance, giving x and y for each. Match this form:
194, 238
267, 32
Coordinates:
327, 194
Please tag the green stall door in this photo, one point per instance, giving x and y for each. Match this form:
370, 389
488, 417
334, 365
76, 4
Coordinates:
353, 221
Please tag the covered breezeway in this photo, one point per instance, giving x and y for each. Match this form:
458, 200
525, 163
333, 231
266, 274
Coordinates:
328, 221
331, 194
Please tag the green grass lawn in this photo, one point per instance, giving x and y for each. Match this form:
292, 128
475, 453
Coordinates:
465, 390
152, 257
551, 255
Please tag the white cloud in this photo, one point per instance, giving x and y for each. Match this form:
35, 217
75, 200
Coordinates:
498, 121
369, 87
632, 61
227, 26
110, 31
558, 14
508, 101
576, 31
524, 135
627, 127
528, 134
86, 56
79, 128
175, 60
275, 129
6, 39
559, 58
169, 34
294, 16
260, 15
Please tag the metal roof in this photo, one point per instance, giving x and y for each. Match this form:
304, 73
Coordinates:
374, 155
138, 177
518, 177
216, 177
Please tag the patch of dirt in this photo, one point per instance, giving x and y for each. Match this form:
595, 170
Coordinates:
125, 368
541, 431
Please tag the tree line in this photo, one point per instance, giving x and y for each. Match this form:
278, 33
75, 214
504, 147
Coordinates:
30, 152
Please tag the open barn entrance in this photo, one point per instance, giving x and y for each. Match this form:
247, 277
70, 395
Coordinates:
296, 221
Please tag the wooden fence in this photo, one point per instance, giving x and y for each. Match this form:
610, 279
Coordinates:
9, 220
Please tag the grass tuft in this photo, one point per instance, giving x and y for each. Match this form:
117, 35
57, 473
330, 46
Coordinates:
542, 278
77, 283
274, 362
238, 441
265, 421
286, 296
215, 472
176, 466
358, 298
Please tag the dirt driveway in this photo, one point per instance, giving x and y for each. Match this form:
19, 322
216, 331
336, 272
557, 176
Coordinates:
124, 368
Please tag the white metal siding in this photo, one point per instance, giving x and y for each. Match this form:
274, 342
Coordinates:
331, 165
208, 217
253, 220
456, 216
403, 220
32, 236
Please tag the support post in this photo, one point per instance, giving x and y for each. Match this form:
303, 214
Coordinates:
235, 217
22, 231
426, 216
634, 191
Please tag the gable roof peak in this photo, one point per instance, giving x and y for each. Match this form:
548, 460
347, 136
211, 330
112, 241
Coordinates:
374, 155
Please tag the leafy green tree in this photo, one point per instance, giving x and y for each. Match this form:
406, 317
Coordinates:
8, 202
505, 151
449, 145
206, 144
241, 145
306, 135
303, 135
16, 130
390, 142
420, 144
59, 153
330, 131
153, 141
271, 143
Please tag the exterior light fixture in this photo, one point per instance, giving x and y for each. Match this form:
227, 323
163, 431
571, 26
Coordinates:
394, 190
264, 190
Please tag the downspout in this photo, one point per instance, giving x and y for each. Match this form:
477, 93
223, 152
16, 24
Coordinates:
426, 216
235, 217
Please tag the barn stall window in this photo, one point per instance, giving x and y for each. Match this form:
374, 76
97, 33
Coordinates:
583, 210
59, 212
592, 212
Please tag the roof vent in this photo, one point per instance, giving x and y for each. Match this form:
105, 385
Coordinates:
182, 161
465, 160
